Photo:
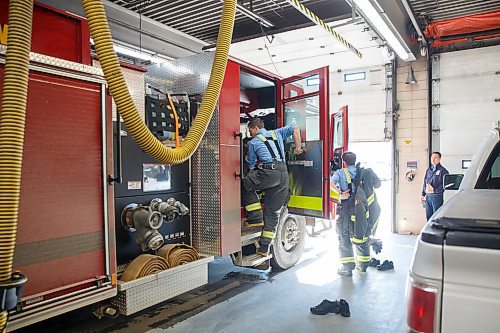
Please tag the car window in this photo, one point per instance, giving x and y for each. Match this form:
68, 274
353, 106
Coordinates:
490, 176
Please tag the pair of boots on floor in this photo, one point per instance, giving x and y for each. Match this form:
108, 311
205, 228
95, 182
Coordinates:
327, 306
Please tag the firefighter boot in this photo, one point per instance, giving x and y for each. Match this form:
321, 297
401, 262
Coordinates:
344, 271
325, 307
344, 308
263, 249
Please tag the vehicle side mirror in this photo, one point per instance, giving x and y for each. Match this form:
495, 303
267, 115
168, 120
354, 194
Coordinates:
452, 182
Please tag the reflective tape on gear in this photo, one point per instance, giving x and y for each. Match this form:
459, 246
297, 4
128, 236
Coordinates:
253, 207
363, 258
273, 135
263, 138
268, 234
304, 202
346, 260
358, 241
334, 195
347, 175
353, 218
367, 214
374, 227
371, 199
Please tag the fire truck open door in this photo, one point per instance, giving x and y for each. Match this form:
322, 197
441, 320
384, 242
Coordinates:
303, 100
339, 137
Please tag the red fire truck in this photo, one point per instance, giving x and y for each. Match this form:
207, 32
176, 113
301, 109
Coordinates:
90, 196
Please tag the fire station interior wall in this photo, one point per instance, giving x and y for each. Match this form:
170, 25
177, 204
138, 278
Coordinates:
468, 95
363, 90
411, 145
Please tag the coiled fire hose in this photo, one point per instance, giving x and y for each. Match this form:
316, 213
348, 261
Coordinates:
143, 265
13, 113
99, 30
178, 254
12, 121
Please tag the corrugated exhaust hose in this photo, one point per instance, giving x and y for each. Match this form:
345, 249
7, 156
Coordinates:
12, 120
99, 30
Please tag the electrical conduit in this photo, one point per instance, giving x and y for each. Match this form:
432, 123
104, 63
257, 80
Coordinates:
99, 30
12, 120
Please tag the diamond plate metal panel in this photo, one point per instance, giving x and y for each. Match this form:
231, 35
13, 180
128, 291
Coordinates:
136, 87
56, 62
190, 75
150, 290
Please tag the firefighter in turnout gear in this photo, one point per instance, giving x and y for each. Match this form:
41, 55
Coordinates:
358, 213
268, 173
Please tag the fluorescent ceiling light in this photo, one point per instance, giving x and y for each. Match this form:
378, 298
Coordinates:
257, 18
381, 26
143, 55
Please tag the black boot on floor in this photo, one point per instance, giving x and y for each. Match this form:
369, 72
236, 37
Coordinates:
373, 262
386, 265
325, 307
344, 308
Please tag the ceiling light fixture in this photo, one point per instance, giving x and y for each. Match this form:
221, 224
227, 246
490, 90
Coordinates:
378, 23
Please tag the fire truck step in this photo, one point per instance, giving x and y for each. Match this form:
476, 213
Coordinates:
254, 260
250, 236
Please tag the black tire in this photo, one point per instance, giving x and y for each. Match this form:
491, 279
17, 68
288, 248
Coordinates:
289, 242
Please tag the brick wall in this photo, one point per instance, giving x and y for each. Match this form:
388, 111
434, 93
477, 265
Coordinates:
412, 145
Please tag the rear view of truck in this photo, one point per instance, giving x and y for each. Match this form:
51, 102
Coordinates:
453, 283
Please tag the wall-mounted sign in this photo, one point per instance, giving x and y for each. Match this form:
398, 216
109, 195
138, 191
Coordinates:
411, 164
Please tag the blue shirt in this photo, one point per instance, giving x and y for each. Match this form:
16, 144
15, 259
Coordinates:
257, 150
340, 180
435, 177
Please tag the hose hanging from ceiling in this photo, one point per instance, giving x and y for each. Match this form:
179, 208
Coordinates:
12, 124
99, 30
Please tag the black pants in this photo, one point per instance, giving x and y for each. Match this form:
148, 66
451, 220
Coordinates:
345, 230
275, 183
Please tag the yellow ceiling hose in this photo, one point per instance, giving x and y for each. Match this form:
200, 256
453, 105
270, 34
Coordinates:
12, 120
99, 30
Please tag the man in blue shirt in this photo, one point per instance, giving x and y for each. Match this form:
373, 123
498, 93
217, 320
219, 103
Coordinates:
268, 172
432, 190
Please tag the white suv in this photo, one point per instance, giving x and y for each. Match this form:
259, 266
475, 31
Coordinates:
454, 278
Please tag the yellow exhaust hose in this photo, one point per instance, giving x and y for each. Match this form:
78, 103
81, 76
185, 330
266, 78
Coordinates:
99, 30
12, 120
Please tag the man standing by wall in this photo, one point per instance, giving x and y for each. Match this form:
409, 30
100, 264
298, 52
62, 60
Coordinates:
432, 190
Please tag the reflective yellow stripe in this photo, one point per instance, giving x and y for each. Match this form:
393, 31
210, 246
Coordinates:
346, 260
353, 218
273, 135
358, 241
268, 234
263, 138
253, 207
334, 194
367, 214
347, 175
305, 202
363, 258
374, 227
371, 199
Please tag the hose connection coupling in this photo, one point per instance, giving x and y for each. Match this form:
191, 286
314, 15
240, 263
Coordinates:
145, 223
11, 291
171, 209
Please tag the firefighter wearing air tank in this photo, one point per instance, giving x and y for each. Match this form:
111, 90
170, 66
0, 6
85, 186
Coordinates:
359, 214
268, 172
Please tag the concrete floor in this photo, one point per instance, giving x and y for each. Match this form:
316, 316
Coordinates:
281, 304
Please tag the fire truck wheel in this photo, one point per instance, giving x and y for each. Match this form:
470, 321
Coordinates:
289, 242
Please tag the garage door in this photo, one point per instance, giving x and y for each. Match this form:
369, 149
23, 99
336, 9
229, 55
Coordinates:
363, 90
466, 98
